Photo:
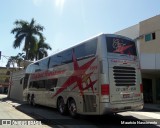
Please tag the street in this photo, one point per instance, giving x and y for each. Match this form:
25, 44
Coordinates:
51, 117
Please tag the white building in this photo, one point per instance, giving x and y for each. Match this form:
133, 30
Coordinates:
147, 35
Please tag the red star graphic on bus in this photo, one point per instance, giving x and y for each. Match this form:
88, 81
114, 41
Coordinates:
79, 76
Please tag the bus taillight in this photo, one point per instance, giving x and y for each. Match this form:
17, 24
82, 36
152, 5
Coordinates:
141, 88
105, 89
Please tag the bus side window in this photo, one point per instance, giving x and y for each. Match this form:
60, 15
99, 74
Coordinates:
89, 49
30, 84
51, 84
41, 84
61, 58
35, 85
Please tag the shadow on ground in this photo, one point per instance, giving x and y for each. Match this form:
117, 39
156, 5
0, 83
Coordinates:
50, 116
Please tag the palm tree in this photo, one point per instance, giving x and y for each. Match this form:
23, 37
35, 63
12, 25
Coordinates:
27, 32
11, 61
41, 50
15, 60
19, 58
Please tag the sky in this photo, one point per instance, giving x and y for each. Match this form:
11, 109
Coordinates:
68, 22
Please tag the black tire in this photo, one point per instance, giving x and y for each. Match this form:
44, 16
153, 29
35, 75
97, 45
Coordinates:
61, 106
72, 108
33, 101
29, 100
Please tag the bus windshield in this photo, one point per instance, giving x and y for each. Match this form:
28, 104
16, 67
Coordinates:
121, 46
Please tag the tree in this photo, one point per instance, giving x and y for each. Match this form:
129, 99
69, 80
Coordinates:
15, 60
30, 33
11, 61
19, 58
41, 49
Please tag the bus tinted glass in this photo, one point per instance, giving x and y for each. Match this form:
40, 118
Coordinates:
61, 58
86, 50
121, 46
83, 51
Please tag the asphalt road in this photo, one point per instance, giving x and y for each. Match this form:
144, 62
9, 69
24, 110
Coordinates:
52, 118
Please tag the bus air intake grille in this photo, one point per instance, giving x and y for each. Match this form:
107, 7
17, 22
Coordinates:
124, 76
89, 103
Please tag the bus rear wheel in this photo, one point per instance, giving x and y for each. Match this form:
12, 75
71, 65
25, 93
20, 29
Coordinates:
72, 108
61, 106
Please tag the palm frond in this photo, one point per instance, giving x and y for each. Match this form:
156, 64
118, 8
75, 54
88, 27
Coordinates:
15, 30
18, 41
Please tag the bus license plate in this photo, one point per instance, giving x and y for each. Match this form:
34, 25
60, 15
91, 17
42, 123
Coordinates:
126, 95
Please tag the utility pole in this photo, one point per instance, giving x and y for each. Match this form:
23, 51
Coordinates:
0, 55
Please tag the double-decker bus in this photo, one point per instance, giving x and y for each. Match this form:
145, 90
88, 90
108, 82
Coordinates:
98, 76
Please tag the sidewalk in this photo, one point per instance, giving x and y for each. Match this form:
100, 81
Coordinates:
13, 102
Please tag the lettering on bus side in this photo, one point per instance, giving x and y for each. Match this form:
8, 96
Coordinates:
46, 74
126, 89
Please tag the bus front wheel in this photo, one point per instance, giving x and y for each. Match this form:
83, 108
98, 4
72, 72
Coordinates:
33, 101
29, 99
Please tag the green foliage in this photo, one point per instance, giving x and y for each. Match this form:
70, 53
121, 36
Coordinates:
34, 41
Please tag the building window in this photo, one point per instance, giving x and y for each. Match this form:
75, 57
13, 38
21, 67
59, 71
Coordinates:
150, 36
